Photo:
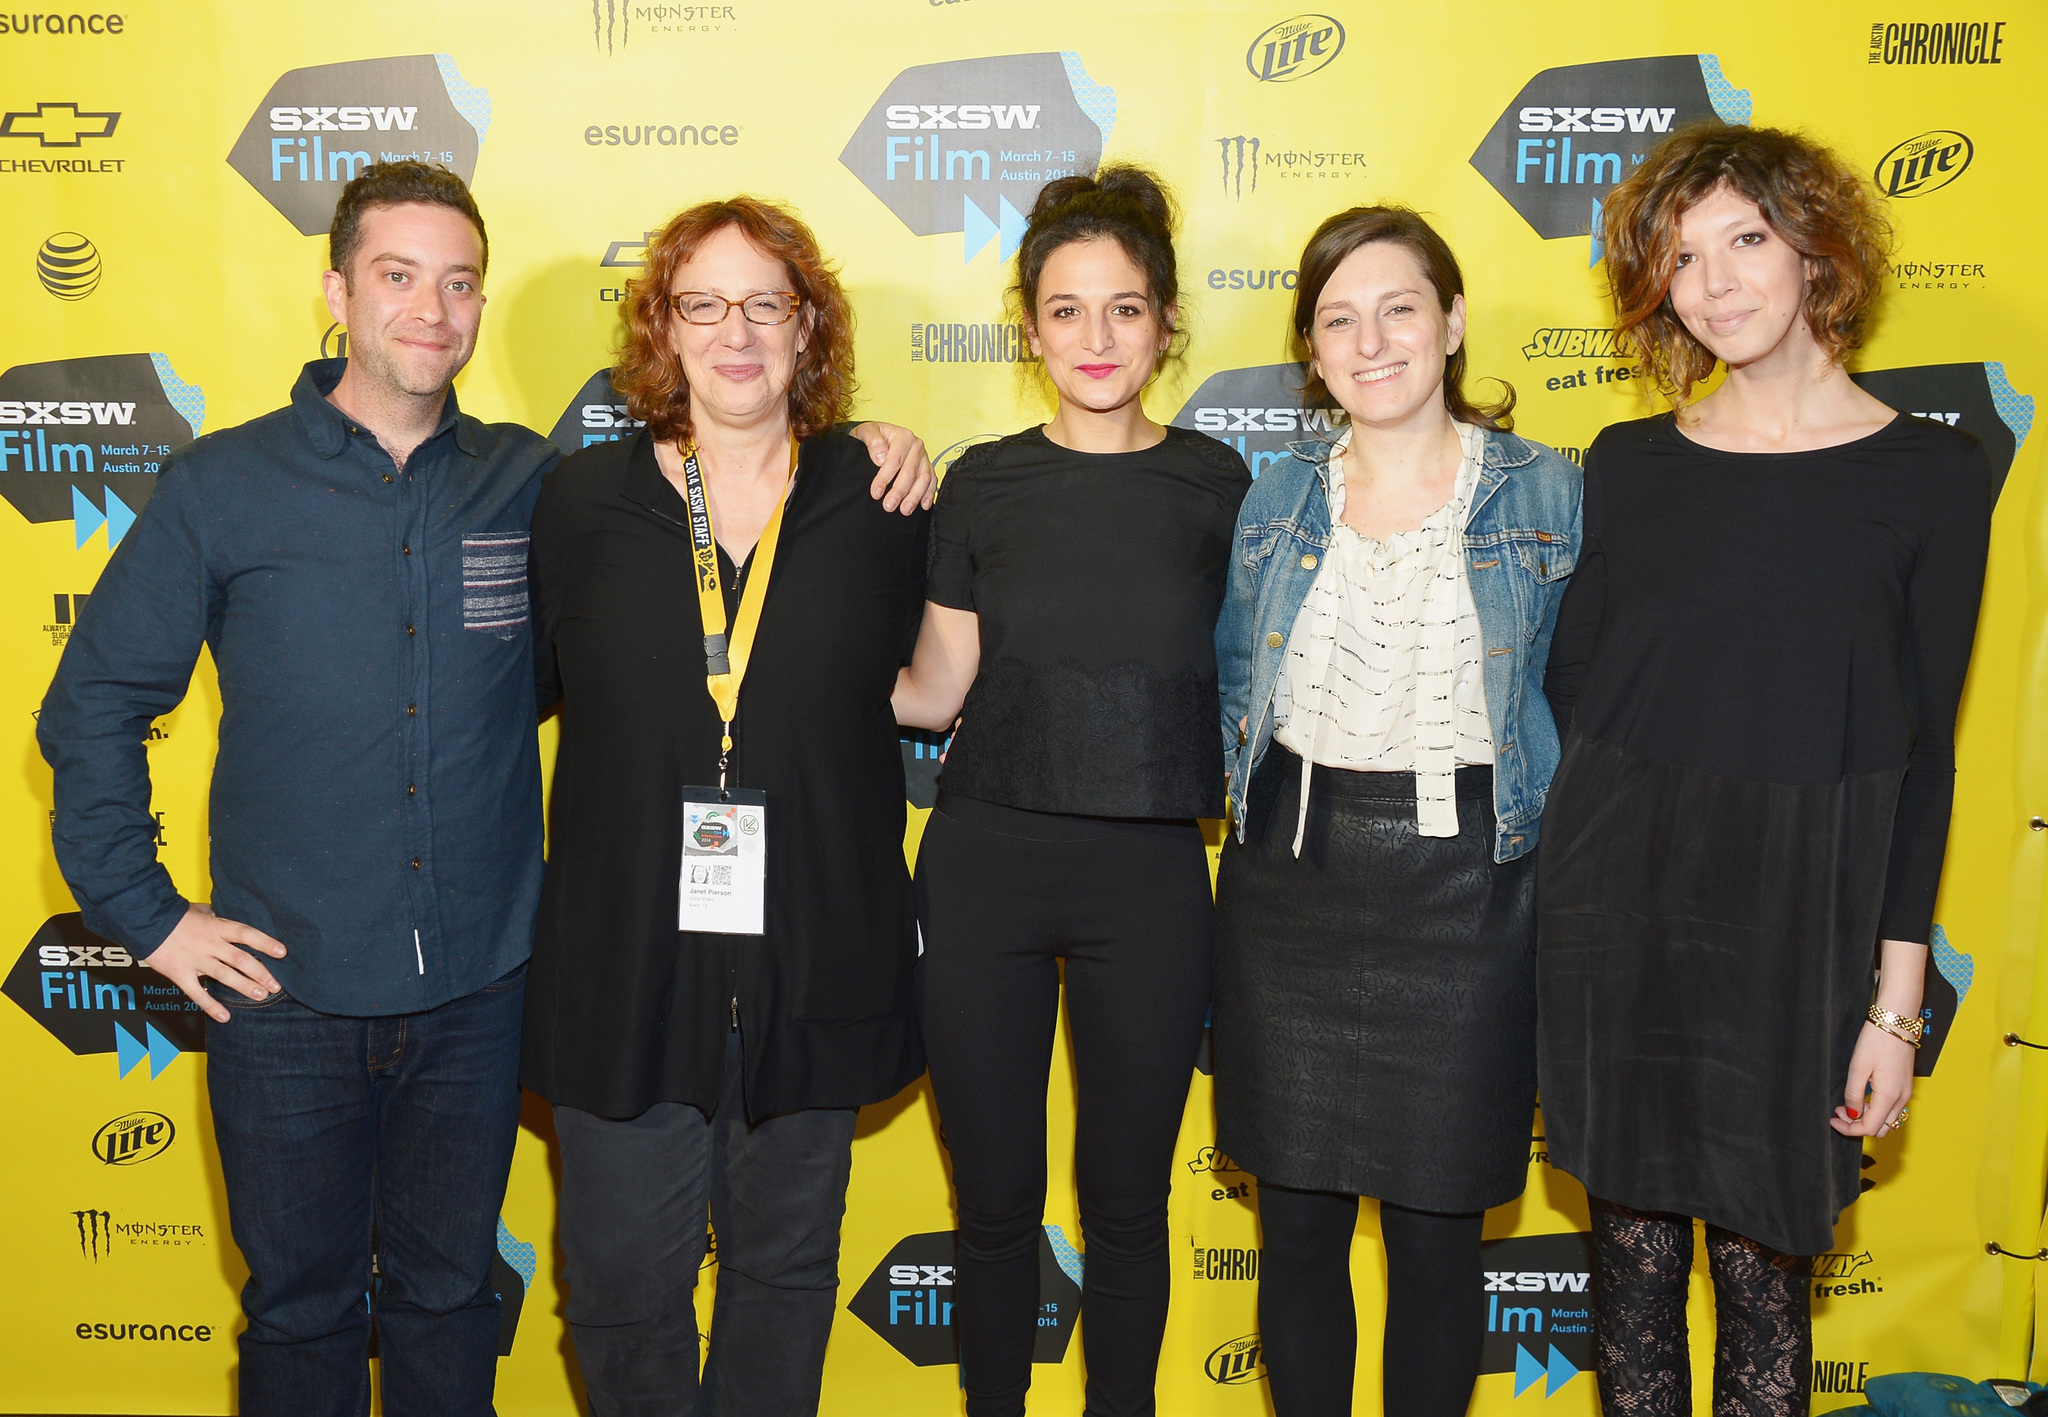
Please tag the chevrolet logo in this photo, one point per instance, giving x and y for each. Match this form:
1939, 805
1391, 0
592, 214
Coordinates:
58, 125
615, 254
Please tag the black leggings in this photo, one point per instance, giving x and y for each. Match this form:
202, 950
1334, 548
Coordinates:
1436, 1315
1004, 895
1763, 1332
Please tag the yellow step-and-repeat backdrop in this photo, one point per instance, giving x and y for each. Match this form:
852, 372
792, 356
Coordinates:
168, 172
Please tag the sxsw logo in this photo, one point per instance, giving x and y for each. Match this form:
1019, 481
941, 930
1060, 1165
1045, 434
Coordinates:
965, 145
1258, 411
1979, 399
84, 439
1539, 1315
908, 1297
319, 127
597, 414
93, 996
1572, 133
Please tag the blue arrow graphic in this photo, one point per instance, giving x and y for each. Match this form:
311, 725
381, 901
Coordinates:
128, 1049
976, 228
1014, 223
1528, 1370
1561, 1371
85, 517
161, 1050
119, 518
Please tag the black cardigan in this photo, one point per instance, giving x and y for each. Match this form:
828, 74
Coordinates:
623, 1011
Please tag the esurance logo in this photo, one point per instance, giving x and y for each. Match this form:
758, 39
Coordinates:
1539, 1309
1573, 133
1294, 49
908, 1297
965, 145
1979, 399
92, 996
1924, 164
83, 440
318, 128
133, 1138
1258, 411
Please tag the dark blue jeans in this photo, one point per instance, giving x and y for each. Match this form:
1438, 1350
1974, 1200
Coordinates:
335, 1130
634, 1198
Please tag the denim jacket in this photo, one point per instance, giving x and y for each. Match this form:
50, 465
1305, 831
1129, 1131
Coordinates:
1522, 539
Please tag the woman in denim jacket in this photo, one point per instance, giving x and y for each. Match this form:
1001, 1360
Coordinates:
1381, 648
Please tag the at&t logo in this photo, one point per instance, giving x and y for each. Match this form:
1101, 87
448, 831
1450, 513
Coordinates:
134, 1138
1294, 49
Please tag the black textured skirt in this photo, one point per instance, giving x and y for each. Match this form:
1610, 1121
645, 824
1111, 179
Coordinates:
1375, 1000
1707, 954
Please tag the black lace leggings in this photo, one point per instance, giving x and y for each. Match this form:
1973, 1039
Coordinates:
1763, 1333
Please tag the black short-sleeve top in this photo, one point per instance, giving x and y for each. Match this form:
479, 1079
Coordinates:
1097, 578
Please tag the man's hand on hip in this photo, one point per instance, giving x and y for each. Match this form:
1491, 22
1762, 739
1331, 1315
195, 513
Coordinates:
204, 946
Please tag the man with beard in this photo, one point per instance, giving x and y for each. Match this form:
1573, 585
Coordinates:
356, 564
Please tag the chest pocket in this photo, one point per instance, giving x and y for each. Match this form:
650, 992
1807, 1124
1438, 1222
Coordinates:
494, 598
1546, 557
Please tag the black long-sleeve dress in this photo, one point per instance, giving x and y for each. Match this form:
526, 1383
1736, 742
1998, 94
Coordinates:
622, 1009
1759, 660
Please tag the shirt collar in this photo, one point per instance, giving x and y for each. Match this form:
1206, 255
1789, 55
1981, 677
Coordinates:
328, 429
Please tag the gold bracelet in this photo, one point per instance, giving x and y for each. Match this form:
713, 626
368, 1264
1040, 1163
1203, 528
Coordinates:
1899, 1026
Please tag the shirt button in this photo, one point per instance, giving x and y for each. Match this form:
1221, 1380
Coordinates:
411, 789
387, 477
412, 710
409, 630
1308, 562
406, 549
1276, 639
415, 863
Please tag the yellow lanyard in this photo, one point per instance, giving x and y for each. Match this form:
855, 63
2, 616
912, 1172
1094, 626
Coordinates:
725, 658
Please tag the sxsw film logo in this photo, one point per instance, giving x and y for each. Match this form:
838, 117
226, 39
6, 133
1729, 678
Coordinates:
84, 439
1238, 1360
92, 996
597, 414
965, 145
133, 1138
1258, 411
908, 1298
1573, 133
1539, 1314
1294, 49
317, 128
1977, 398
1924, 164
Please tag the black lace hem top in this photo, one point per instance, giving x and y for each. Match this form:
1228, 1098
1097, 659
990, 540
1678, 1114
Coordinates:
1097, 578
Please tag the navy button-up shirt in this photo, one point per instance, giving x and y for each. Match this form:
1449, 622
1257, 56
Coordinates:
376, 798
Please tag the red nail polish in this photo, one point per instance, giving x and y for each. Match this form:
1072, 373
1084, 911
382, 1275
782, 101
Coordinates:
1853, 1113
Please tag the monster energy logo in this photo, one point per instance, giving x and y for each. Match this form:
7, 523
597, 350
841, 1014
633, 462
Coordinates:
1233, 151
95, 1232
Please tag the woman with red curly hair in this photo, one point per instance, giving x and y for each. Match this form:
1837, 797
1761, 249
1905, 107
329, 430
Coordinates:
722, 964
1757, 666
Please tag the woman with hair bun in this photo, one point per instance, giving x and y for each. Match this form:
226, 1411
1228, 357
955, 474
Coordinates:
1382, 648
1076, 572
1758, 667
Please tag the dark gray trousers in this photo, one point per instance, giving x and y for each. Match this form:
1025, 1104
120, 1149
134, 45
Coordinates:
635, 1195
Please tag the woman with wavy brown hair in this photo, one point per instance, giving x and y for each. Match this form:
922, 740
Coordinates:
721, 605
1757, 666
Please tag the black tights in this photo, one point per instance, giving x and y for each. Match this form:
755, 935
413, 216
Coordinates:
1763, 1333
1436, 1315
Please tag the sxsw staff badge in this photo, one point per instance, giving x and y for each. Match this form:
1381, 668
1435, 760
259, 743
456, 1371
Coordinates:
725, 861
